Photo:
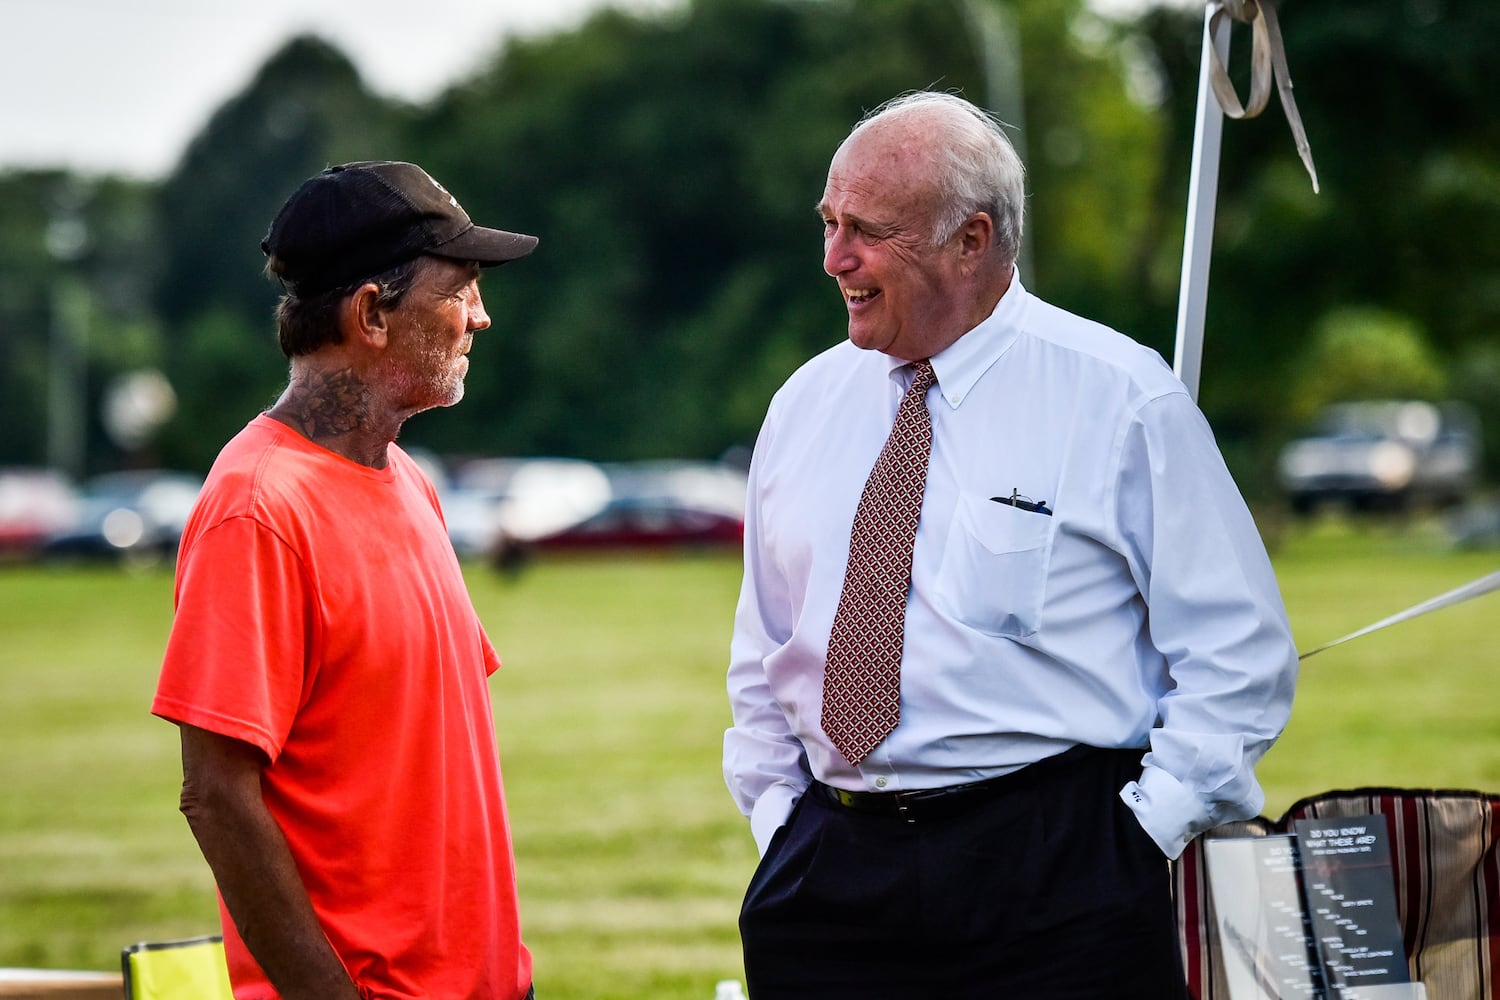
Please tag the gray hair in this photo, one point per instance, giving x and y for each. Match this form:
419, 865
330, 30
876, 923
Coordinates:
978, 170
304, 324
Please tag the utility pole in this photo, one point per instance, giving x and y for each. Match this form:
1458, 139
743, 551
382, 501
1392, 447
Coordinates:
67, 240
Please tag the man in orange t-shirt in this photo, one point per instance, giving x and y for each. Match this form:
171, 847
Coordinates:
326, 667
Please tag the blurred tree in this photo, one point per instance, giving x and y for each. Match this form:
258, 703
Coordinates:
1363, 353
671, 165
306, 108
28, 271
81, 245
1096, 155
1397, 106
1475, 379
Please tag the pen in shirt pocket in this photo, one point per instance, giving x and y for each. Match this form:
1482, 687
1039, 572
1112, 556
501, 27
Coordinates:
1024, 503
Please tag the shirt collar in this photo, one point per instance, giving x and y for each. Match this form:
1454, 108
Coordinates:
960, 366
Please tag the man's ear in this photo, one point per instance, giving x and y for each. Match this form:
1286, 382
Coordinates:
362, 320
976, 237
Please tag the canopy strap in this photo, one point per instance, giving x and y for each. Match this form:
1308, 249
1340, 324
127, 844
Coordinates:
1468, 591
1267, 58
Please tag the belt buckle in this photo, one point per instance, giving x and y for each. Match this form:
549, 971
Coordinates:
902, 809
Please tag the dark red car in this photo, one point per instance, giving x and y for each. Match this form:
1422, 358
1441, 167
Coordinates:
648, 523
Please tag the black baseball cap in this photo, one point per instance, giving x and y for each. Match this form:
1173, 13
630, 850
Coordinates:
356, 220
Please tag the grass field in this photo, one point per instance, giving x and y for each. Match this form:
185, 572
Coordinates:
610, 712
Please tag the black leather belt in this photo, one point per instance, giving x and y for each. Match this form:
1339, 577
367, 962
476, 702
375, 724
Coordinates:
933, 803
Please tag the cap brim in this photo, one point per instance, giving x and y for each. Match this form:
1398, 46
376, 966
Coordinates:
486, 246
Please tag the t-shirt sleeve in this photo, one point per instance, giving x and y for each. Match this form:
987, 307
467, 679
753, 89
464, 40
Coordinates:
487, 649
235, 662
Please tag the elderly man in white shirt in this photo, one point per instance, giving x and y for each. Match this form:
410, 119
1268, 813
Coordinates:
1095, 652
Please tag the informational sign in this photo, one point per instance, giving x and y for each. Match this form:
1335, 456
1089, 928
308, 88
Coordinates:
1310, 914
1265, 935
1350, 897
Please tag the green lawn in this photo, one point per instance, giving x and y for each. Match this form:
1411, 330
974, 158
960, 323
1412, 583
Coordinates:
610, 712
1413, 705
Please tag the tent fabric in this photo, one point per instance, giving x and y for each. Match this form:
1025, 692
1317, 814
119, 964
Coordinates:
187, 969
1446, 865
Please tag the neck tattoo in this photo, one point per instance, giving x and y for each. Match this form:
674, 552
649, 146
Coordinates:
325, 405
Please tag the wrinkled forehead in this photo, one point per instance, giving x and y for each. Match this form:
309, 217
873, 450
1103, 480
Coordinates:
904, 142
879, 163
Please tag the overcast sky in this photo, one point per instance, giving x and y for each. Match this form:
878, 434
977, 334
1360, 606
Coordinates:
123, 85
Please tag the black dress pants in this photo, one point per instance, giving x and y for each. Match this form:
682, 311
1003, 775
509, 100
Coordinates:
1047, 890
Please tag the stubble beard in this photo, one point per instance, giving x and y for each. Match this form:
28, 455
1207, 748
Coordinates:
433, 378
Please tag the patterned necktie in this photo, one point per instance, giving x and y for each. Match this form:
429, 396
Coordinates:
862, 678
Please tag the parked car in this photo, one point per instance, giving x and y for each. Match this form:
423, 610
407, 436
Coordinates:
657, 505
134, 517
34, 503
1383, 455
648, 523
1476, 525
491, 505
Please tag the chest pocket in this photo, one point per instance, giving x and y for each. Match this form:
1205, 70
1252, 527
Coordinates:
995, 566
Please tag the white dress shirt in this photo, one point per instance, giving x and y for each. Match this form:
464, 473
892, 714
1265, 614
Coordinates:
1143, 612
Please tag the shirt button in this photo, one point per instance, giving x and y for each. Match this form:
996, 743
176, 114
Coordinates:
880, 782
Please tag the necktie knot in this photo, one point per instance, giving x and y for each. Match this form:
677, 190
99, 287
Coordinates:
923, 377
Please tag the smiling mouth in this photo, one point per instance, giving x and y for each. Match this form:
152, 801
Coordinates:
859, 296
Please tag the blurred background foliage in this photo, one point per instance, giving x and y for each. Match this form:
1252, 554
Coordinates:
669, 163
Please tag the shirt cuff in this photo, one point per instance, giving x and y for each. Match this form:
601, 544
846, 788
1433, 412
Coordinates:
1170, 814
770, 812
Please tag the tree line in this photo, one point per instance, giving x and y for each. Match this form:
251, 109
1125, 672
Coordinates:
669, 162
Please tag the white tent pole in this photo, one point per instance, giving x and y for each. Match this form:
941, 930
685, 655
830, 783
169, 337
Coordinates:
1192, 295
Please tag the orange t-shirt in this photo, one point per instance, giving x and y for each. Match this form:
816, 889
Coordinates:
322, 617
